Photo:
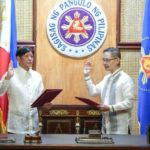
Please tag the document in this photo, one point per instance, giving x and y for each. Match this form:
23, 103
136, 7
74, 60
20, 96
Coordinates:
88, 101
47, 96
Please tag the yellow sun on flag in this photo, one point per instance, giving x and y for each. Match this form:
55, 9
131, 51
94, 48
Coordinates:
145, 68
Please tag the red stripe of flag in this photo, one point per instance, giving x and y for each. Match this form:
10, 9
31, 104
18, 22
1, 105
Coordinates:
8, 46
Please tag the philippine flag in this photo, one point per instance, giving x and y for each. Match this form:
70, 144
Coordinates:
144, 74
8, 47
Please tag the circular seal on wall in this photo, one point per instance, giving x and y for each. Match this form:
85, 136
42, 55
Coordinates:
76, 28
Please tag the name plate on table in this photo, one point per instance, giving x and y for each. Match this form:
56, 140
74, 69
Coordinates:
94, 140
6, 139
94, 134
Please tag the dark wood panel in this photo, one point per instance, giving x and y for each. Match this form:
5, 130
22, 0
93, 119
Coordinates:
66, 119
90, 124
60, 125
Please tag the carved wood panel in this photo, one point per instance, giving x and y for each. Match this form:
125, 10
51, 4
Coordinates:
70, 119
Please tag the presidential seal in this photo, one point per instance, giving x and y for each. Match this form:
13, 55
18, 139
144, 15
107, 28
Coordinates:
76, 28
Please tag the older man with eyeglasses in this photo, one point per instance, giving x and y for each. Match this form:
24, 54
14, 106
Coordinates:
116, 91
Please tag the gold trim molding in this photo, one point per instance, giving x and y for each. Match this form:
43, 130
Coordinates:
93, 113
60, 112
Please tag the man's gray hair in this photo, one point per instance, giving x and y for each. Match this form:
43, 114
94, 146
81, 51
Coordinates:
115, 52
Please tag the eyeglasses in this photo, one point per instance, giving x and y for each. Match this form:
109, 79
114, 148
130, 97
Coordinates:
108, 60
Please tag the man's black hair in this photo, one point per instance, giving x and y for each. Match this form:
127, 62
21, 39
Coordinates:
22, 50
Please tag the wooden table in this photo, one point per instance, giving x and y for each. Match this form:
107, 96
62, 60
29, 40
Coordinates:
67, 142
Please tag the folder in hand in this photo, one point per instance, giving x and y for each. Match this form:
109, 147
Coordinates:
47, 96
88, 101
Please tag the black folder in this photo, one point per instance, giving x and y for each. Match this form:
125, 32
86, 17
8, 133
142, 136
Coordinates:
88, 101
47, 96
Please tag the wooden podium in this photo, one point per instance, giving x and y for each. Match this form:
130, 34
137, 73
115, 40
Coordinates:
46, 97
70, 119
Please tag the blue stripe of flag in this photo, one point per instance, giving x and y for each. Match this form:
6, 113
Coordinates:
13, 35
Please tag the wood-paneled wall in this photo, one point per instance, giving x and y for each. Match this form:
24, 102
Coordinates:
59, 71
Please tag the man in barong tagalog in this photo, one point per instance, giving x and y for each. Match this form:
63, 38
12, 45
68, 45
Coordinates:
116, 91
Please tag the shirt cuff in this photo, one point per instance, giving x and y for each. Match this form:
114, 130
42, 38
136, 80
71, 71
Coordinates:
111, 108
4, 81
87, 78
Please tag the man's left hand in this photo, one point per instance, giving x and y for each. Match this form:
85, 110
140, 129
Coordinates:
104, 107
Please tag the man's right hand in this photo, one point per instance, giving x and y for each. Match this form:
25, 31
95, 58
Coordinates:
10, 71
87, 68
